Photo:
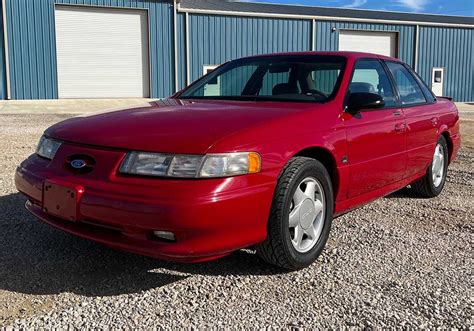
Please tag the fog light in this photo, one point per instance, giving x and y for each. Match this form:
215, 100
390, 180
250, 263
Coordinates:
166, 235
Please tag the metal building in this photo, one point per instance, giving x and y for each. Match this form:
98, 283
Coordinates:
151, 48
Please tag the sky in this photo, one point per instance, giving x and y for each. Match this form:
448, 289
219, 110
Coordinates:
445, 7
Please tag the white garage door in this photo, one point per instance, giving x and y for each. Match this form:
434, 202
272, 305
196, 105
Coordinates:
383, 43
102, 53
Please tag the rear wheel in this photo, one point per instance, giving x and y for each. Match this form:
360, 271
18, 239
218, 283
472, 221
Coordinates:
433, 182
301, 215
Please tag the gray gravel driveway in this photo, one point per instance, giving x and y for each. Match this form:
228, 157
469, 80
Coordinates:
399, 261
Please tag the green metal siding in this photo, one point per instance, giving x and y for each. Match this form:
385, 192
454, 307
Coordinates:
32, 45
327, 40
451, 49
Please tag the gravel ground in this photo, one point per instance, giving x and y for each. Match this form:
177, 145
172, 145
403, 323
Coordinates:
399, 261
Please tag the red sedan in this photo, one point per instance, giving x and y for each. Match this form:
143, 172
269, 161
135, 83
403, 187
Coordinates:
264, 151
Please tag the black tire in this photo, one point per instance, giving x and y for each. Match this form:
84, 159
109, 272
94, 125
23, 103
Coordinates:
425, 187
278, 249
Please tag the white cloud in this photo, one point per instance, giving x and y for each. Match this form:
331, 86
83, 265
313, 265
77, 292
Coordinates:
355, 4
415, 5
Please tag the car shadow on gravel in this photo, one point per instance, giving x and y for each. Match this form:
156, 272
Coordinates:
404, 193
38, 259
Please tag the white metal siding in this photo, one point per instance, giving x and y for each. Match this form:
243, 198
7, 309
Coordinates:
376, 42
102, 53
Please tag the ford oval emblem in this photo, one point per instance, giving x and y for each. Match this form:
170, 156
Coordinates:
78, 164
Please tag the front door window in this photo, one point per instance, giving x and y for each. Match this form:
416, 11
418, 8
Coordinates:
370, 77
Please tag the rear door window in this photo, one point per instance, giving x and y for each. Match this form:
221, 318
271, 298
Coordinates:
430, 97
408, 88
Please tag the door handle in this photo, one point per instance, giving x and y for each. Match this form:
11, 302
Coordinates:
397, 113
400, 127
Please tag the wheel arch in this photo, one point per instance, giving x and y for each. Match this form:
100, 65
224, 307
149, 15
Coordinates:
449, 142
324, 156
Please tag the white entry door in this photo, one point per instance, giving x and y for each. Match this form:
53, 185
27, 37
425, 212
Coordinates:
102, 52
437, 81
376, 42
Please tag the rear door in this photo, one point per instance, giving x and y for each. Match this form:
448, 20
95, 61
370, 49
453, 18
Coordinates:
422, 122
376, 139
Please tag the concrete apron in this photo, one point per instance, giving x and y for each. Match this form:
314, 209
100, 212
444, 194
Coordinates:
465, 107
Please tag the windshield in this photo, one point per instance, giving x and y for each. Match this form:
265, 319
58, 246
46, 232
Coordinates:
313, 78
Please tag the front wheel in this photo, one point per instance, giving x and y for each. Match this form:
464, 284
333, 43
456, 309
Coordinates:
433, 182
301, 215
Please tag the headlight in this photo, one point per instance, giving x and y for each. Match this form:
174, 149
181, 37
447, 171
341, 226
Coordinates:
224, 165
191, 166
47, 147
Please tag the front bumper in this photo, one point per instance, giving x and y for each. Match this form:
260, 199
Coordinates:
210, 218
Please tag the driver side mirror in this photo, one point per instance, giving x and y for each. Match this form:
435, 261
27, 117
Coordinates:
361, 100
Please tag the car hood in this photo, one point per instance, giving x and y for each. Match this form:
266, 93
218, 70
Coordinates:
171, 126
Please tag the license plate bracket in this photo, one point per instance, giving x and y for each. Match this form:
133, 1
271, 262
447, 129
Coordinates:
62, 200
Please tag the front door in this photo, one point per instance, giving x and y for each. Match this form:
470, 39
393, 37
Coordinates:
437, 81
376, 137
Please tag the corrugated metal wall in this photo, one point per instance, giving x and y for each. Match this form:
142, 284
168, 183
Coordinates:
32, 45
452, 49
326, 40
214, 39
217, 39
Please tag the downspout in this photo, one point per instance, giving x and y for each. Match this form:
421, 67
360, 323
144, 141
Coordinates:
175, 26
5, 44
188, 66
417, 36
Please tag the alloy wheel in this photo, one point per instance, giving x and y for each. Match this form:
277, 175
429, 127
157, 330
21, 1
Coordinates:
307, 213
437, 166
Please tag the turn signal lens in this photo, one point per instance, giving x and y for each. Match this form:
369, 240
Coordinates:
255, 163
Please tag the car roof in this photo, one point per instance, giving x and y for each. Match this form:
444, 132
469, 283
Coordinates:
351, 55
